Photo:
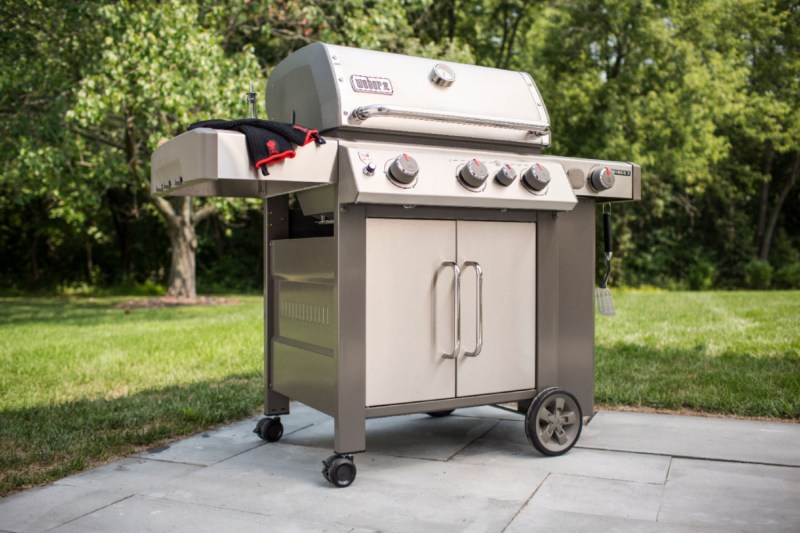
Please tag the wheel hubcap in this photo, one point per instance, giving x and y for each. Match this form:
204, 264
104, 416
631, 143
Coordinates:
556, 423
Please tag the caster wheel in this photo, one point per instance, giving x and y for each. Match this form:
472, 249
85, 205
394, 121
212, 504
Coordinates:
553, 423
440, 414
339, 470
269, 429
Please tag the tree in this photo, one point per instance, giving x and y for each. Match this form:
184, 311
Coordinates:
158, 71
43, 47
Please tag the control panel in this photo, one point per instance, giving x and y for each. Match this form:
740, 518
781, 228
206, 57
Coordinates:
602, 180
434, 176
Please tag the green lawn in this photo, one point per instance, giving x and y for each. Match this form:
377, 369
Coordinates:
82, 382
721, 352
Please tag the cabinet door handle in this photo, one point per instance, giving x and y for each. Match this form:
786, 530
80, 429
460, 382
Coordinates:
456, 311
479, 307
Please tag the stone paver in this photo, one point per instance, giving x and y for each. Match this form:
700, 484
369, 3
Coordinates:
471, 471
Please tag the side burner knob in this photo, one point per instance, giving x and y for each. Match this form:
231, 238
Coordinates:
506, 175
602, 179
474, 173
404, 169
536, 177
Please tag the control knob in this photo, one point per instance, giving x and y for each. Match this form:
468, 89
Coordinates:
474, 173
506, 175
602, 179
443, 75
536, 177
403, 169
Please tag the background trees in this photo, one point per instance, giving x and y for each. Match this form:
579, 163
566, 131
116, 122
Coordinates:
704, 94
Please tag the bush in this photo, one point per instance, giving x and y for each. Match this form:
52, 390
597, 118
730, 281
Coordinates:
701, 275
757, 274
788, 276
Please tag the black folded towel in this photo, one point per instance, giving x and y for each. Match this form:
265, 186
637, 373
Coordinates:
268, 141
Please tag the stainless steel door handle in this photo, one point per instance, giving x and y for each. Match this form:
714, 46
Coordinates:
533, 127
456, 311
479, 307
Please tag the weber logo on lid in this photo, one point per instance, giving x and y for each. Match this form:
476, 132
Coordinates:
371, 84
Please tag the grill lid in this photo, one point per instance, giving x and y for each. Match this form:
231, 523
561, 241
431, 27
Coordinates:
328, 87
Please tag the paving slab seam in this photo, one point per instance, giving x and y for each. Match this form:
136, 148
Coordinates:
92, 511
153, 459
218, 507
691, 457
379, 454
664, 490
525, 503
473, 441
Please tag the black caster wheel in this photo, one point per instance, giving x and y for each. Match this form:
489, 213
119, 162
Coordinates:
440, 414
269, 429
554, 421
339, 470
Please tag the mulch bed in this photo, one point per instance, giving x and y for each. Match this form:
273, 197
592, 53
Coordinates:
174, 301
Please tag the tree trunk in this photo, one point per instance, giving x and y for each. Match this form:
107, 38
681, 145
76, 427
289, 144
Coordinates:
118, 207
763, 203
181, 222
183, 244
794, 173
33, 257
89, 260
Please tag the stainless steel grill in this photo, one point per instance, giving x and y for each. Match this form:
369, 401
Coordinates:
434, 259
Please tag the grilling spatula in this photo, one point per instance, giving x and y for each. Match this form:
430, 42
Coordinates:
605, 303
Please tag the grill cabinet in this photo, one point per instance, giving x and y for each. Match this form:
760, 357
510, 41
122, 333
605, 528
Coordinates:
428, 257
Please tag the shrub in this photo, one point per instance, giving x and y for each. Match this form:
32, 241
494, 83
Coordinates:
757, 274
788, 276
701, 275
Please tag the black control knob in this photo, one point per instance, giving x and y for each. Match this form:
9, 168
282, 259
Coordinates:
403, 169
506, 175
602, 179
474, 173
536, 177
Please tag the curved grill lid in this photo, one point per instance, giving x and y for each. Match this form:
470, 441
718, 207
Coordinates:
330, 87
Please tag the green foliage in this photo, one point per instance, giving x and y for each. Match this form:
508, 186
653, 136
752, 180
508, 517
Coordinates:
74, 186
703, 94
788, 276
701, 275
758, 274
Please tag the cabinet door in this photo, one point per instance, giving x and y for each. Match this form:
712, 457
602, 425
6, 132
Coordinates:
505, 252
410, 310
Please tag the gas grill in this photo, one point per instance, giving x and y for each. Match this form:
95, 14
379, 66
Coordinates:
428, 257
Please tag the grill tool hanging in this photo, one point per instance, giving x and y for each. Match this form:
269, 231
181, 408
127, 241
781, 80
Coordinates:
605, 303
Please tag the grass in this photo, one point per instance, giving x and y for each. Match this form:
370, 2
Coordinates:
734, 353
82, 382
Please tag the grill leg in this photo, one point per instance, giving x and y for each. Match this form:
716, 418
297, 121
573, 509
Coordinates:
350, 411
276, 226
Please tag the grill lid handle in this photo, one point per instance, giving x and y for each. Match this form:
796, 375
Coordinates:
536, 128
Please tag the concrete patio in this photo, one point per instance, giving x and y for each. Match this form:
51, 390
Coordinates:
471, 471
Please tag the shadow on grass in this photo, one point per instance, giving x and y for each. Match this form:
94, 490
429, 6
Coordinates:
86, 311
43, 444
730, 383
